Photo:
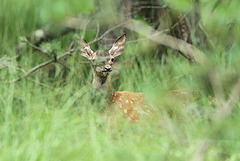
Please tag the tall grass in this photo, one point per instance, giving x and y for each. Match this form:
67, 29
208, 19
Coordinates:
40, 123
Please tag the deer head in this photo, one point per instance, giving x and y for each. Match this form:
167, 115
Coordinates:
102, 61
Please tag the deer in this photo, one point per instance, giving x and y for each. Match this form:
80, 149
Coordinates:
131, 104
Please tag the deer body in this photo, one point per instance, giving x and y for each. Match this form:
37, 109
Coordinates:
130, 103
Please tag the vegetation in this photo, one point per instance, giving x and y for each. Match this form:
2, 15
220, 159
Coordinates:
50, 115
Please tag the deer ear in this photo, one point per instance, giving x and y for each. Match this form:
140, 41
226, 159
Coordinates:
118, 46
86, 51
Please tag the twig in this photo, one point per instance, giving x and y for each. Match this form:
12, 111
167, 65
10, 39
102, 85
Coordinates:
37, 48
56, 29
68, 53
46, 52
135, 41
151, 7
98, 30
41, 84
85, 26
107, 32
71, 45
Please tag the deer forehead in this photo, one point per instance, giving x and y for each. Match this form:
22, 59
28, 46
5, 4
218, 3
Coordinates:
103, 55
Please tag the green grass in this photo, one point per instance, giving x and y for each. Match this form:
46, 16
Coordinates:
39, 123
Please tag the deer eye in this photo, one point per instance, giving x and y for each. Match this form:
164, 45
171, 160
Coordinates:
112, 59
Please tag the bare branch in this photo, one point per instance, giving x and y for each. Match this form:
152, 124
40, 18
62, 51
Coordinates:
68, 53
56, 29
152, 7
41, 84
48, 53
107, 32
37, 48
135, 41
98, 30
189, 51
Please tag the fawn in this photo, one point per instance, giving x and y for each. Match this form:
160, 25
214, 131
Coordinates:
130, 103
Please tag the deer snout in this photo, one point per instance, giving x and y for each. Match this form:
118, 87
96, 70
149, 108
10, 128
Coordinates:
108, 68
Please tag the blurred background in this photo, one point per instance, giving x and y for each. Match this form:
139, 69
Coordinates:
46, 111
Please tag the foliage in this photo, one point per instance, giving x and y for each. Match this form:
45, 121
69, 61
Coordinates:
41, 123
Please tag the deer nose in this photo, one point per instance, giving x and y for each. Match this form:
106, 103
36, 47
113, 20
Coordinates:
108, 68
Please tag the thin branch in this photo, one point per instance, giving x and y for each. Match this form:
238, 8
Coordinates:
37, 48
71, 45
57, 29
68, 53
41, 84
135, 41
152, 7
98, 30
107, 32
85, 27
48, 53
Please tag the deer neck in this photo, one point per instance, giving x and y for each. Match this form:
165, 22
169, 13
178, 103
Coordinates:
99, 81
102, 85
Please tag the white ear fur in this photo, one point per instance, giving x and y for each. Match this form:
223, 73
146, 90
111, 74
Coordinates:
118, 46
86, 50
